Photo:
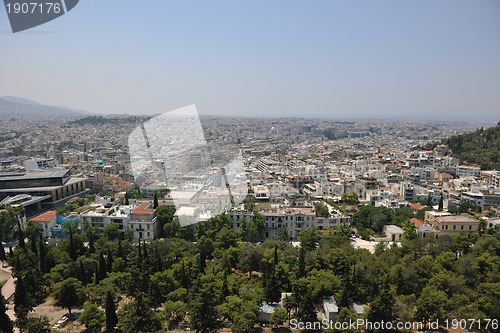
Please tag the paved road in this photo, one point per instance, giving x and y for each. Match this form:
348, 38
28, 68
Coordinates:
7, 291
9, 286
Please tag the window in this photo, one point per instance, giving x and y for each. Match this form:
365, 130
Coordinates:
454, 227
470, 227
462, 227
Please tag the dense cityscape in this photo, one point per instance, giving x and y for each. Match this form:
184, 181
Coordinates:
316, 221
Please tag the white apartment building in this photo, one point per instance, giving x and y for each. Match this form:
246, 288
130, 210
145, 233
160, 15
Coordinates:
294, 219
140, 218
467, 171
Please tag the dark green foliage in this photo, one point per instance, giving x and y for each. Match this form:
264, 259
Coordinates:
370, 220
23, 302
220, 276
8, 221
382, 307
136, 316
92, 317
20, 235
6, 325
126, 199
111, 318
3, 256
321, 209
37, 325
72, 246
102, 267
282, 234
309, 238
204, 314
100, 120
69, 293
479, 147
350, 198
155, 201
109, 261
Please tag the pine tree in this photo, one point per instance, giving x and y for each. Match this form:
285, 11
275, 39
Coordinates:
83, 274
3, 256
102, 267
346, 298
42, 256
33, 246
111, 318
23, 303
97, 279
126, 199
382, 307
145, 251
225, 289
440, 203
91, 241
120, 249
72, 249
429, 200
6, 325
155, 201
276, 255
11, 252
204, 316
302, 263
203, 259
20, 235
109, 261
140, 253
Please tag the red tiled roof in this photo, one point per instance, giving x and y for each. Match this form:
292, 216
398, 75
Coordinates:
417, 222
45, 217
143, 209
416, 206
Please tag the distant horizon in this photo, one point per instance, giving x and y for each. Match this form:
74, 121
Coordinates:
325, 117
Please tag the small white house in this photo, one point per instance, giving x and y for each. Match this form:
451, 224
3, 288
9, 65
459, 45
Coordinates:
331, 309
265, 312
394, 233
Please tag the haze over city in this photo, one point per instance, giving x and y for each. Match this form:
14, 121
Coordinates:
384, 59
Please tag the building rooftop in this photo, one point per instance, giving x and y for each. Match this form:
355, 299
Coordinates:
394, 229
45, 217
331, 305
416, 206
144, 208
417, 222
268, 308
456, 219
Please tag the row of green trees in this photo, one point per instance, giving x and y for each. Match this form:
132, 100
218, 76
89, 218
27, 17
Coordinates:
221, 280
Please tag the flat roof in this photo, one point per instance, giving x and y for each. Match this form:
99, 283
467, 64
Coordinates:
70, 181
456, 219
35, 174
331, 305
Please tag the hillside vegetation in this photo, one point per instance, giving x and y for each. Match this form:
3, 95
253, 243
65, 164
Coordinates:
481, 147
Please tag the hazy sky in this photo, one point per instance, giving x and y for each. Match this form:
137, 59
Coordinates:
433, 59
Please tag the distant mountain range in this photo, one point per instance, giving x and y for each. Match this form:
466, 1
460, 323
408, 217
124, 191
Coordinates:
10, 106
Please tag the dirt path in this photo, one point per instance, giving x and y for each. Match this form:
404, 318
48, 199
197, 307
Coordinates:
9, 287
